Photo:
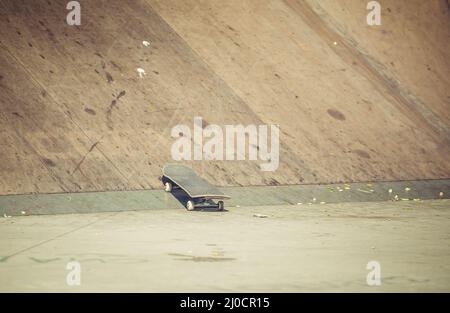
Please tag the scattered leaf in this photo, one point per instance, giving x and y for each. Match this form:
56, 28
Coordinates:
366, 191
141, 72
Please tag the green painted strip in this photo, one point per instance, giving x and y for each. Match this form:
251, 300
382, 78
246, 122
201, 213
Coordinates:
112, 201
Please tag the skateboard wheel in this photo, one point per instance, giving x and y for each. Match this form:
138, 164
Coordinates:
168, 187
190, 205
220, 205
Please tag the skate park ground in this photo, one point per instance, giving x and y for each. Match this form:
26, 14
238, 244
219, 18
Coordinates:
312, 245
84, 131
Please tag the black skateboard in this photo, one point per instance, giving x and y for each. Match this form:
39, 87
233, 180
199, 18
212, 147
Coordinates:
198, 189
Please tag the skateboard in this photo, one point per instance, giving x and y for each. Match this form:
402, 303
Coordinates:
197, 188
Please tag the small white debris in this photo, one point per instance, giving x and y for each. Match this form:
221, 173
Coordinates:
323, 202
407, 189
6, 216
299, 203
238, 206
390, 190
260, 215
314, 199
335, 43
441, 194
141, 72
146, 43
23, 212
396, 197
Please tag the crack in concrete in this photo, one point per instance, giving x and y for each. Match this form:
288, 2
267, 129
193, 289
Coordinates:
84, 157
5, 258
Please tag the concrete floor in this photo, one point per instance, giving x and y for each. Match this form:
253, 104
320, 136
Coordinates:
319, 247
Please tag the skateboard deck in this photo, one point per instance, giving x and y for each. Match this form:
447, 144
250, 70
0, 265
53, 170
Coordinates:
195, 186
